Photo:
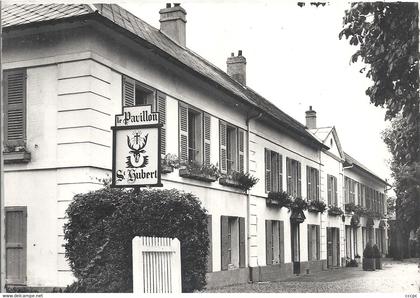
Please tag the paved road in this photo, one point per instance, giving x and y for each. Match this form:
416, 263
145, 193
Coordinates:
394, 277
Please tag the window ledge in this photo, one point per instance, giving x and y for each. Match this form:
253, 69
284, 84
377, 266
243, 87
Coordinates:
184, 173
17, 157
273, 203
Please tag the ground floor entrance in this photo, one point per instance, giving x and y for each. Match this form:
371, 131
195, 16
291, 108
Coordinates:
295, 241
333, 247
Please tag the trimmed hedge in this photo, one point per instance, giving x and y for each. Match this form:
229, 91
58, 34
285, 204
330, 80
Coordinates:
103, 223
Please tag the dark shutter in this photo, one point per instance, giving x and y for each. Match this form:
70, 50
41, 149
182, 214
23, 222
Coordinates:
309, 242
267, 170
329, 190
289, 175
280, 172
15, 106
241, 150
161, 108
268, 242
299, 184
128, 92
242, 242
223, 145
210, 254
281, 248
183, 132
16, 245
335, 192
308, 183
224, 230
318, 243
317, 185
207, 137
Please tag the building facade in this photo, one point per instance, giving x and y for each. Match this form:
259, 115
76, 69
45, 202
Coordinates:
69, 69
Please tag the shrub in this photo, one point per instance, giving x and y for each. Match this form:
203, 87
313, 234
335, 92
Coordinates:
376, 252
368, 252
299, 204
103, 223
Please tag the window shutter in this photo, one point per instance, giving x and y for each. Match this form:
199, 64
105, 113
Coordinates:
308, 183
267, 154
288, 175
224, 224
210, 254
317, 185
281, 248
223, 144
128, 92
183, 132
318, 243
335, 191
309, 242
268, 242
241, 150
207, 138
299, 184
241, 242
15, 106
280, 172
161, 108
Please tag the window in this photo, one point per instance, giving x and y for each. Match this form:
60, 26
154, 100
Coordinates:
362, 200
293, 177
274, 240
194, 134
313, 243
332, 190
232, 148
273, 171
233, 242
312, 183
15, 107
136, 93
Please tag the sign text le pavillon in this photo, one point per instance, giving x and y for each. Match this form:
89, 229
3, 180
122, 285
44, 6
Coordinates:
136, 148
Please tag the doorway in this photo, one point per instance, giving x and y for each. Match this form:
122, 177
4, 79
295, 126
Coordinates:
295, 240
333, 247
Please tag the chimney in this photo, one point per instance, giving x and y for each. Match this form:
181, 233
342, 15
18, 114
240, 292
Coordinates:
172, 23
236, 67
310, 118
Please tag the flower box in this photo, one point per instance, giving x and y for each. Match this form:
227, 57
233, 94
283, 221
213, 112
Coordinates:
164, 169
185, 173
272, 203
335, 211
313, 209
230, 182
17, 157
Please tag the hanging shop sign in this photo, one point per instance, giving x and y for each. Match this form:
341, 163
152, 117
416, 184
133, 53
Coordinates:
136, 148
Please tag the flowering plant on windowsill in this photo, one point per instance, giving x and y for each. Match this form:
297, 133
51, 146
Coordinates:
298, 204
279, 199
199, 171
317, 206
169, 163
16, 152
334, 210
244, 181
17, 146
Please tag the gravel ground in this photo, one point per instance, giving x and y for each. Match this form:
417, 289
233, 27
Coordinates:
394, 277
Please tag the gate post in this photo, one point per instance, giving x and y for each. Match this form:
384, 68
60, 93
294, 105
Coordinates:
138, 279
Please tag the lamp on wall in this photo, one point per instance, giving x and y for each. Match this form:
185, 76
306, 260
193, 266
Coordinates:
343, 218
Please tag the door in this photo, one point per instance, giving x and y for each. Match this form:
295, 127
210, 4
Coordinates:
15, 245
333, 247
295, 247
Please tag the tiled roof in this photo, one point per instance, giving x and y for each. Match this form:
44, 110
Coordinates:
21, 14
351, 161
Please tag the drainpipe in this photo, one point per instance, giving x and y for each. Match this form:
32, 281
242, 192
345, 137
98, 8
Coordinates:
248, 196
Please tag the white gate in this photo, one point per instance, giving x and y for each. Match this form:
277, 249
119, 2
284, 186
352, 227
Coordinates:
156, 265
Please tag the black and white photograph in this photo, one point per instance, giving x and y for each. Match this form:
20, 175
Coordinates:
205, 146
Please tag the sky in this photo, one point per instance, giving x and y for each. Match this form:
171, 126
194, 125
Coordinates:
294, 59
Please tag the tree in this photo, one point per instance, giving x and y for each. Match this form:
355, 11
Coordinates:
388, 38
